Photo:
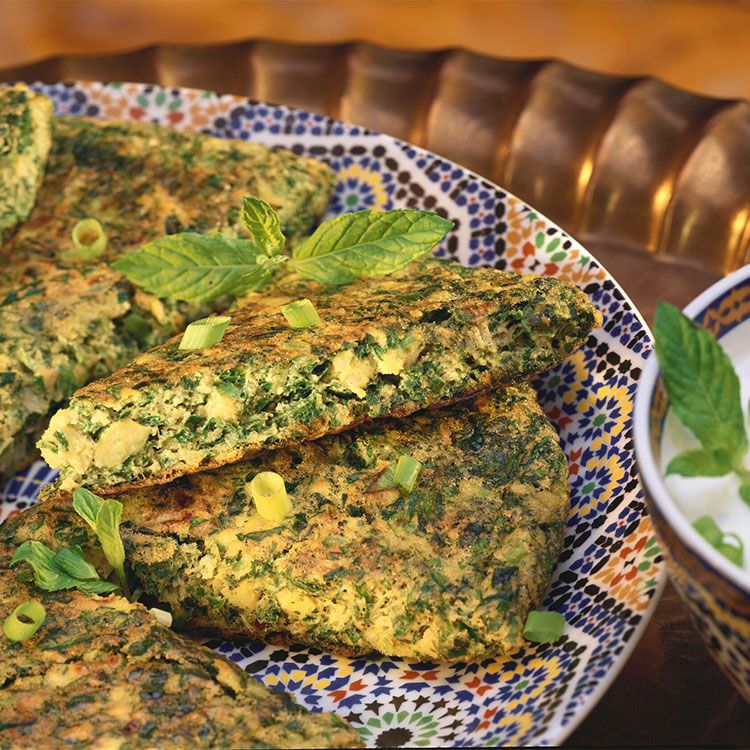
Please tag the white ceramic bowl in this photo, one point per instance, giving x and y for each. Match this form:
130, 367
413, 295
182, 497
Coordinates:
716, 591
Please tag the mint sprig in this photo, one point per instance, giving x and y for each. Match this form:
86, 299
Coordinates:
203, 267
704, 391
66, 569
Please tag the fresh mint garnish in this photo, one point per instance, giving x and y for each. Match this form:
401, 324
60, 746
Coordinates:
368, 243
704, 391
103, 516
263, 224
202, 267
199, 267
700, 463
66, 569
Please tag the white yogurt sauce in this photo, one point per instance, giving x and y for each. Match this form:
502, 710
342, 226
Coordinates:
718, 497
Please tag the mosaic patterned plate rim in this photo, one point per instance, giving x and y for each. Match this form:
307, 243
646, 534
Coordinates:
611, 571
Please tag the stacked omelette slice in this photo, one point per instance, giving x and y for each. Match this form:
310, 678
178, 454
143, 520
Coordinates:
63, 323
447, 572
102, 672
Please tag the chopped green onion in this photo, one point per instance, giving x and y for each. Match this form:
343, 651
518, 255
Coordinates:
403, 475
301, 314
161, 616
24, 621
406, 473
269, 493
387, 481
204, 332
733, 550
708, 529
543, 627
732, 553
89, 240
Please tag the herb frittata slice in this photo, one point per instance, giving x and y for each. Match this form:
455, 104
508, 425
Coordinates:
142, 181
448, 572
102, 673
388, 346
62, 323
59, 332
25, 139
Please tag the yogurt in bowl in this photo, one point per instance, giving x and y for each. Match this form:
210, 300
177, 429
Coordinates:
718, 497
716, 590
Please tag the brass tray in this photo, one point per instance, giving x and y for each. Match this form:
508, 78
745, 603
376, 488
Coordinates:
655, 181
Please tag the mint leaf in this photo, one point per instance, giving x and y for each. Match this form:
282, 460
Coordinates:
368, 243
66, 569
103, 516
72, 561
47, 574
745, 492
96, 586
198, 267
263, 224
87, 505
703, 387
700, 463
108, 533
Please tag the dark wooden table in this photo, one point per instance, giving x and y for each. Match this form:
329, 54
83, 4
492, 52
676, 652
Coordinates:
567, 141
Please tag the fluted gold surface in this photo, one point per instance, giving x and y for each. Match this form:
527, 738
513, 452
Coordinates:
621, 163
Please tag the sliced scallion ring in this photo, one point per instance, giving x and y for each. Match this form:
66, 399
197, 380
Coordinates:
732, 553
406, 473
161, 616
543, 627
301, 314
24, 621
270, 496
205, 332
89, 240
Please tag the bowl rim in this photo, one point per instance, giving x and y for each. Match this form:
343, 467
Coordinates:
647, 466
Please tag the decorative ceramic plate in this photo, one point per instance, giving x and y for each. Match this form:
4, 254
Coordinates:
611, 571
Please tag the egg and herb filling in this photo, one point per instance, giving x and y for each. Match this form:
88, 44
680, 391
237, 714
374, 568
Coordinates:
390, 346
66, 319
441, 560
103, 673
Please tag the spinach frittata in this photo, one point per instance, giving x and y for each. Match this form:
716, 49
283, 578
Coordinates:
62, 323
448, 572
388, 346
142, 181
102, 673
25, 139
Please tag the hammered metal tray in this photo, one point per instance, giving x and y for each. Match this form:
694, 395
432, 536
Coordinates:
628, 165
